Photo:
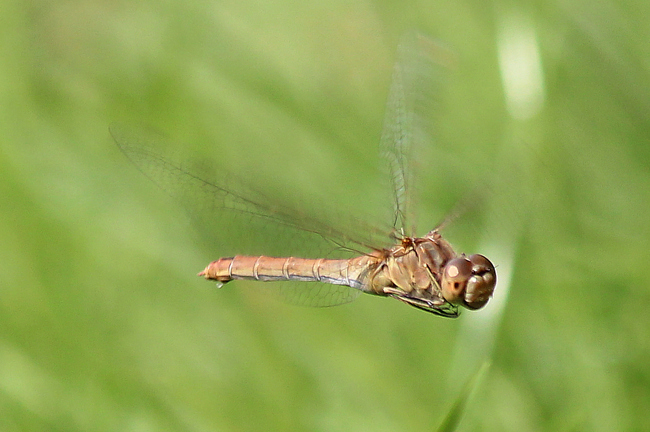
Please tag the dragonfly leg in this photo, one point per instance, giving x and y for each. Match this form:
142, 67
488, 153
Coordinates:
436, 306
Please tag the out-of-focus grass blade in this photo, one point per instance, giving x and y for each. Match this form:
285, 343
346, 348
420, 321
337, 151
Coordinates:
455, 414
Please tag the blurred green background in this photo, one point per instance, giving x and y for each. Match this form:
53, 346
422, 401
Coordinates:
104, 325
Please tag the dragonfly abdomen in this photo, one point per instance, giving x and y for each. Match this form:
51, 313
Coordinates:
263, 268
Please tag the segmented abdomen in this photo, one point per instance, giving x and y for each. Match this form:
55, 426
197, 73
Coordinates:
351, 272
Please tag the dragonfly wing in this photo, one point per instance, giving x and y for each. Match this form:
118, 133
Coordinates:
407, 122
315, 294
237, 218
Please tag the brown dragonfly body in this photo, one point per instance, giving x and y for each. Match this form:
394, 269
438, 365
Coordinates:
424, 272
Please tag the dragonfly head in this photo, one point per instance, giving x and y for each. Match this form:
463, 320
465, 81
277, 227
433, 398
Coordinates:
468, 281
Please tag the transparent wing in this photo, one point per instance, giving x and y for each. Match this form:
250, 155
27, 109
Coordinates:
315, 294
238, 219
227, 210
407, 122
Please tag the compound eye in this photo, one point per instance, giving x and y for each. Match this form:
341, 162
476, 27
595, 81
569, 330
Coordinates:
482, 283
455, 276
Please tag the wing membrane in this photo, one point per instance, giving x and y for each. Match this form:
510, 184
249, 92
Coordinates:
407, 122
229, 212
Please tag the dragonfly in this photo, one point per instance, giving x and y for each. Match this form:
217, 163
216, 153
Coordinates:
424, 272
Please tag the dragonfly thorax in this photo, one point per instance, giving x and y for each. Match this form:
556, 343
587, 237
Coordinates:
426, 273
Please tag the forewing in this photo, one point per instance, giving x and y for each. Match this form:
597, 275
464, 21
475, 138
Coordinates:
237, 217
408, 121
